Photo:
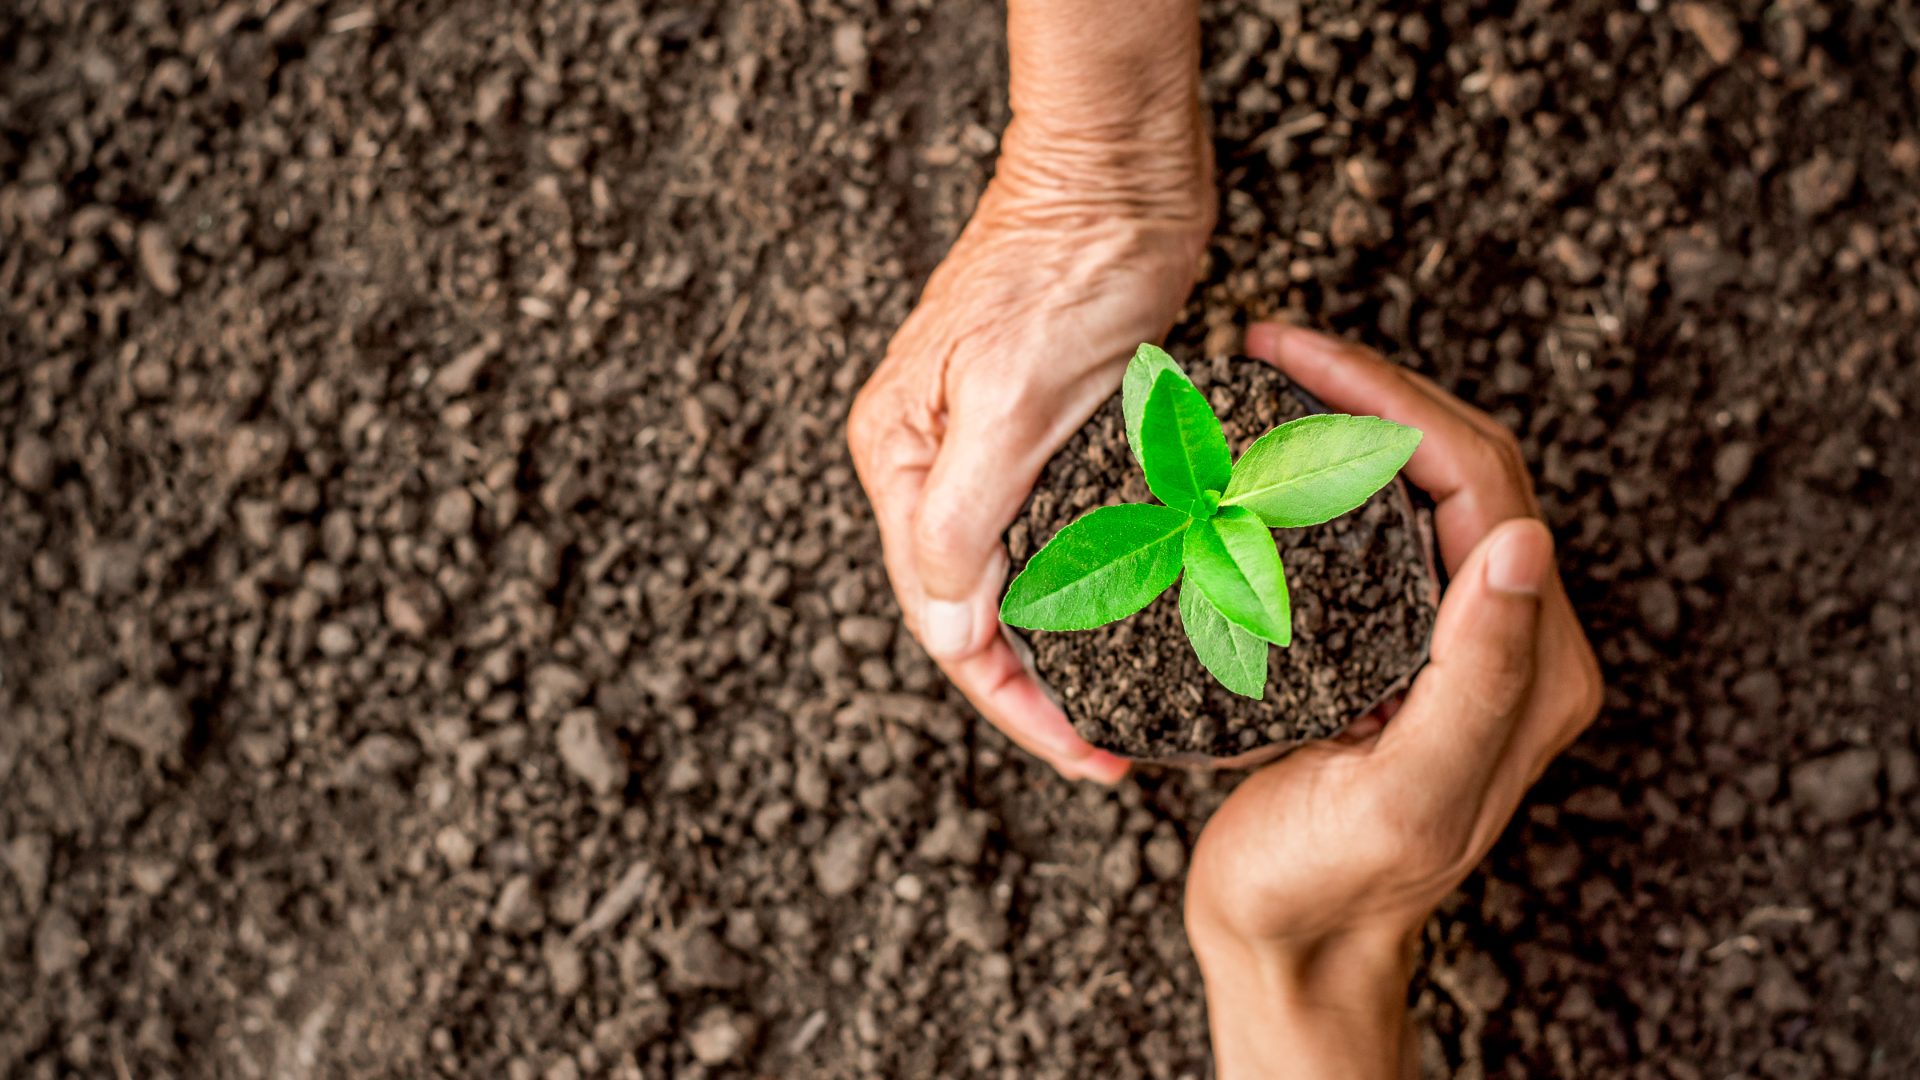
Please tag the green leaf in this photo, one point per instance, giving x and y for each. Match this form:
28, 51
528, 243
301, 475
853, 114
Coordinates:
1318, 467
1235, 657
1183, 451
1232, 559
1105, 566
1143, 371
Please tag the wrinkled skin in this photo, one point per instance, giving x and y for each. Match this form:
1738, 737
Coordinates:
1307, 888
1071, 260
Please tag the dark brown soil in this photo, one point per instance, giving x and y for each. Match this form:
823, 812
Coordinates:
441, 634
1361, 587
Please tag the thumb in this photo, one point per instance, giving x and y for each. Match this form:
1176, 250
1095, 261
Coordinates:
977, 484
1463, 705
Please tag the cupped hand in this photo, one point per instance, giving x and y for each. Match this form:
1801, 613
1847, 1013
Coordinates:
1309, 885
1023, 331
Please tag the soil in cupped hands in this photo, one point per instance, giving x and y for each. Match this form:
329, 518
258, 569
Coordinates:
1362, 589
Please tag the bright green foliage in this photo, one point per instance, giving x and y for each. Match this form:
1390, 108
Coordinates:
1184, 453
1145, 368
1317, 468
1237, 658
1216, 523
1105, 566
1231, 557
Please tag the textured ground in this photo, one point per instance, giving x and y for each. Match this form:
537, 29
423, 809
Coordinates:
440, 632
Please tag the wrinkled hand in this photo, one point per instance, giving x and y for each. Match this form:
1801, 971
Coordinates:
1310, 884
1023, 331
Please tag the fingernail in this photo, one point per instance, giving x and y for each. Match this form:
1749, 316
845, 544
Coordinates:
1301, 345
1100, 767
1519, 561
946, 628
996, 572
1262, 339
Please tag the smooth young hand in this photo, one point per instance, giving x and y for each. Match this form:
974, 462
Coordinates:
1310, 885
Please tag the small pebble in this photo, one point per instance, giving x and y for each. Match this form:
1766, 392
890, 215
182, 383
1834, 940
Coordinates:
151, 719
1732, 464
57, 944
699, 961
565, 967
589, 753
850, 45
717, 1036
1715, 29
1581, 265
453, 513
867, 633
336, 641
413, 609
1120, 866
159, 260
1659, 609
1516, 93
1836, 788
973, 922
31, 464
1166, 855
1820, 185
844, 858
517, 908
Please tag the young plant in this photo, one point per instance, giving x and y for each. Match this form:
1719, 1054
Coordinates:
1215, 523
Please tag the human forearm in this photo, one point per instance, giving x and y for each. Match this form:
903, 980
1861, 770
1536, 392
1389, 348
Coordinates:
1106, 102
1101, 68
1334, 1011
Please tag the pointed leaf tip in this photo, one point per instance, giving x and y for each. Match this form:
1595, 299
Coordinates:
1103, 566
1148, 362
1312, 470
1183, 451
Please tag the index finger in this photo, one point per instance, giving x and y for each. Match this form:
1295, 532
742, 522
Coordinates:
1006, 693
1472, 470
992, 677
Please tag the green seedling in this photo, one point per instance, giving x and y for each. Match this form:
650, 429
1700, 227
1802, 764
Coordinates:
1215, 523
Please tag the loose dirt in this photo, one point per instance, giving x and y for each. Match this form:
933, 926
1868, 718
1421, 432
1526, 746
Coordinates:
1362, 589
441, 634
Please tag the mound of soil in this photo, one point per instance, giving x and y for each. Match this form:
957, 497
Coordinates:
1362, 586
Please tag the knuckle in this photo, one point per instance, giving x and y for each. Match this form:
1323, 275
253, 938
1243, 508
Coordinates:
995, 401
1590, 691
860, 424
940, 527
870, 410
1483, 457
1025, 424
883, 429
1496, 458
1355, 352
1509, 671
1575, 707
1506, 445
1494, 677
